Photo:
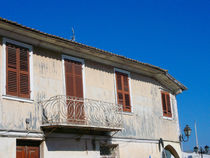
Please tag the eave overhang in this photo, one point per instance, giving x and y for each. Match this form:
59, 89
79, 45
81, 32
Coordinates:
37, 38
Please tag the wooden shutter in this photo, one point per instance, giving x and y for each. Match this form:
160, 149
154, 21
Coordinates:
73, 76
166, 104
74, 87
12, 70
18, 79
24, 80
123, 94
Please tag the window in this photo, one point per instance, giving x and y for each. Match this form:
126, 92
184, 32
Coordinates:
166, 104
108, 151
123, 92
17, 71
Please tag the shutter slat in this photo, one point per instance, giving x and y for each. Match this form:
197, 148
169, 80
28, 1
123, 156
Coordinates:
69, 85
12, 57
23, 59
12, 82
79, 87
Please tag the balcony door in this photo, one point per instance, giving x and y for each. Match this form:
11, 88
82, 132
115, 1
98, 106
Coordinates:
74, 91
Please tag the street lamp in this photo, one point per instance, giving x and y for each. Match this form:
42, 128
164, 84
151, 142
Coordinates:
187, 132
201, 151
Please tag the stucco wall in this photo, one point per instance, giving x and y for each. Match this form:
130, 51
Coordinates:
65, 148
77, 147
146, 121
7, 147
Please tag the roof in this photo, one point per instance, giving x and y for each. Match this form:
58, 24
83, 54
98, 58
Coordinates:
161, 71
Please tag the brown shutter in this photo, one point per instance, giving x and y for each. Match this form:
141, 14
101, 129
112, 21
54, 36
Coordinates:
12, 70
126, 93
24, 80
123, 94
32, 152
74, 83
78, 79
20, 152
18, 83
166, 104
69, 78
74, 87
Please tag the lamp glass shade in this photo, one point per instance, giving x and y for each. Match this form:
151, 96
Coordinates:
206, 148
187, 131
196, 149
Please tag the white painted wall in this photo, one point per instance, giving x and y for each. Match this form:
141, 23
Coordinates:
7, 147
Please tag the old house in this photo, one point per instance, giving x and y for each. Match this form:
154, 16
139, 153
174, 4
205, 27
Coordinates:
63, 99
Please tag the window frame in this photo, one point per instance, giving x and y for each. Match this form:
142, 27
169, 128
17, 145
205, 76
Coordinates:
167, 116
4, 70
130, 89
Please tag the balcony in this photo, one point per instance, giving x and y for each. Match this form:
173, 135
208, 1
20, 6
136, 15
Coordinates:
79, 113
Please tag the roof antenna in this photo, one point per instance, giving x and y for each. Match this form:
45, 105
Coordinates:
73, 34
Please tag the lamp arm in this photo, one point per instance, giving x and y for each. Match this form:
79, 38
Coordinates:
181, 138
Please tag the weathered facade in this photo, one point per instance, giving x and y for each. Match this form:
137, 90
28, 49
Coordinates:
92, 122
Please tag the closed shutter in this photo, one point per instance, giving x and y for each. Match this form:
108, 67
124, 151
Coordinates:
73, 73
12, 70
78, 79
166, 104
24, 73
69, 77
18, 83
74, 88
123, 94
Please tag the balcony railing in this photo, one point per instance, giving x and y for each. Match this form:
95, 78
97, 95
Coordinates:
81, 113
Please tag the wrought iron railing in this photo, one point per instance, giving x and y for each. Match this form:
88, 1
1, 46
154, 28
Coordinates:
67, 110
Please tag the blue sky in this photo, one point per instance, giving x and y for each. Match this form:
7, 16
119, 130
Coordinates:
171, 34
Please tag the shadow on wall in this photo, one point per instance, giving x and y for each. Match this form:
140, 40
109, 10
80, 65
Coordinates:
70, 144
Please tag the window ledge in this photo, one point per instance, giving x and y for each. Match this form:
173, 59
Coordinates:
128, 113
168, 118
17, 99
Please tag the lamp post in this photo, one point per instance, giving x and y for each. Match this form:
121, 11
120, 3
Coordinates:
202, 150
187, 132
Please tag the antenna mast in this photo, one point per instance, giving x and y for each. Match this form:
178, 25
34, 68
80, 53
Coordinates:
73, 35
196, 136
